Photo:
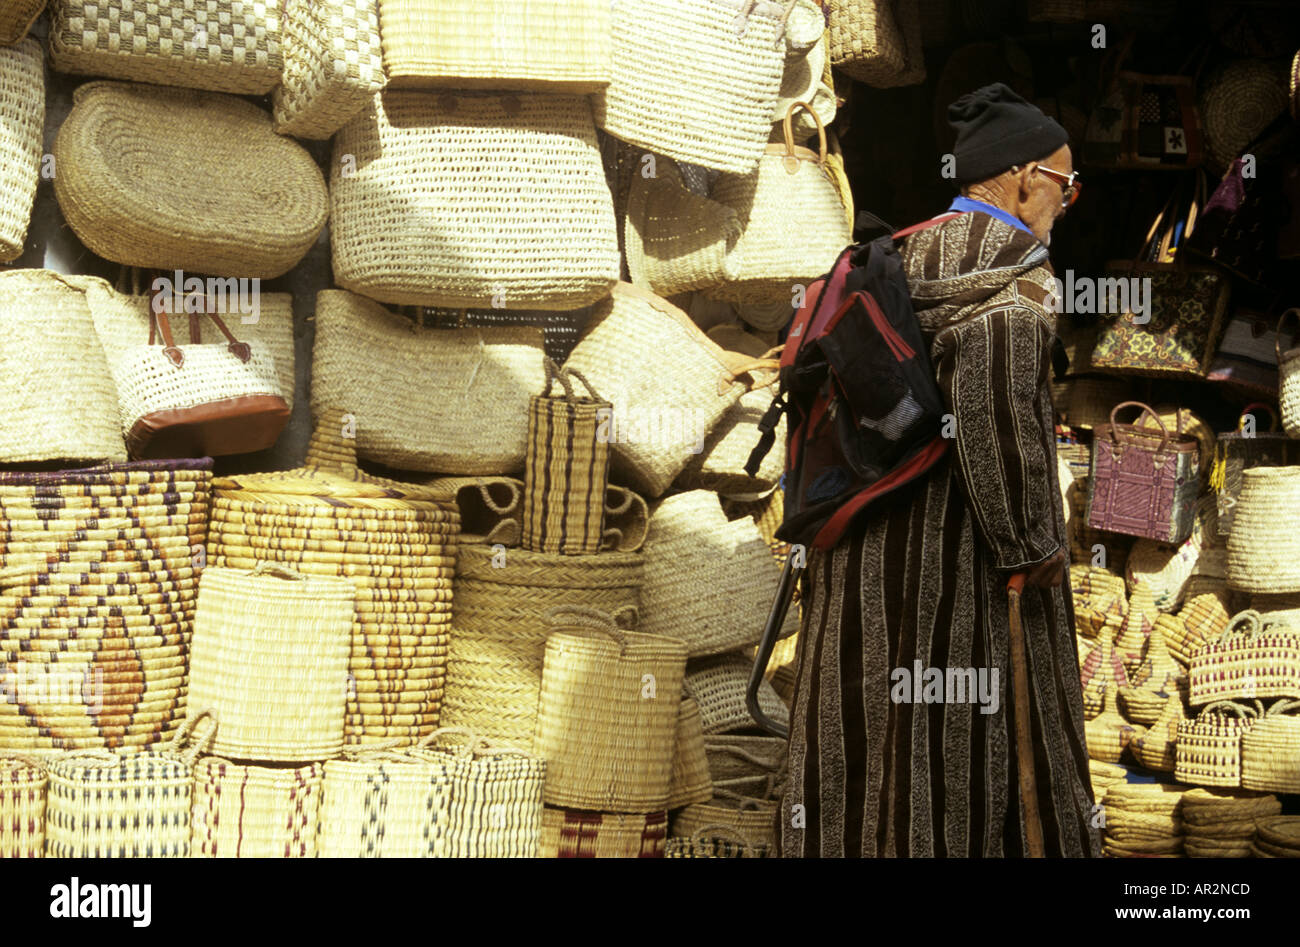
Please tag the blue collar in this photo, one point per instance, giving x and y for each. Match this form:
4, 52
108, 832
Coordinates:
967, 204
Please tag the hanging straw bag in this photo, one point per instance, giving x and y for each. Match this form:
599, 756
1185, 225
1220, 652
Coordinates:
566, 470
22, 119
383, 803
144, 178
473, 200
332, 66
249, 811
269, 659
546, 46
1235, 452
1288, 363
607, 715
1251, 659
570, 833
1264, 545
866, 42
1270, 750
23, 784
696, 80
449, 400
221, 45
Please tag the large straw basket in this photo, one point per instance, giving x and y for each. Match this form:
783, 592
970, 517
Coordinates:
1270, 750
59, 401
179, 213
1239, 450
22, 808
270, 661
1251, 659
1264, 546
696, 80
494, 673
670, 384
223, 45
247, 811
754, 819
691, 781
715, 841
473, 200
1238, 101
1208, 749
718, 685
22, 117
548, 46
607, 714
570, 833
332, 65
489, 507
381, 803
449, 400
708, 582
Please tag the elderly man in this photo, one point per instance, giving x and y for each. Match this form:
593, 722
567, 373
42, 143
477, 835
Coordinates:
902, 739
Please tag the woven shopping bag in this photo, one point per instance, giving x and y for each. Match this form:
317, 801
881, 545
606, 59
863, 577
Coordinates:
145, 179
23, 784
332, 65
572, 833
1264, 545
383, 803
696, 80
1252, 659
221, 45
199, 399
22, 118
540, 46
269, 661
1270, 750
566, 471
1238, 451
250, 811
877, 42
473, 200
1143, 482
1288, 365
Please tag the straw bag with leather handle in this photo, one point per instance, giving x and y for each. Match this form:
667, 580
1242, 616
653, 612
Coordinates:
22, 116
546, 46
198, 400
222, 45
1251, 659
1237, 451
1143, 482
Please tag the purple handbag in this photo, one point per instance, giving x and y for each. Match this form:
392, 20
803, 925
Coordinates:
1144, 481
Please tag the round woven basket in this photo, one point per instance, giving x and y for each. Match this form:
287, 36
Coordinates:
381, 803
1270, 750
1264, 547
22, 114
691, 782
1279, 836
569, 833
719, 684
1238, 101
23, 783
177, 213
255, 811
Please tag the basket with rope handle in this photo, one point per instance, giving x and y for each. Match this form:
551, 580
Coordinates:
1207, 750
1253, 658
1270, 750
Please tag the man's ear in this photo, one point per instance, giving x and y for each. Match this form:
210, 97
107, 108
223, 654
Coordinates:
1024, 180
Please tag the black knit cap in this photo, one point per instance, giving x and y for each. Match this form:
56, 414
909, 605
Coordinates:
997, 129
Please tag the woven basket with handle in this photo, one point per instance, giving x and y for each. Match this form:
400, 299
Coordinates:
1208, 748
1251, 659
1264, 548
332, 65
1270, 750
249, 811
572, 833
379, 802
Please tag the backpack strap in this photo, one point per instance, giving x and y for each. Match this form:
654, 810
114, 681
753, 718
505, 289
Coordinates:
926, 224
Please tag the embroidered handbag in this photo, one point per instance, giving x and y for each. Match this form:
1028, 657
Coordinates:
1237, 451
199, 399
1143, 482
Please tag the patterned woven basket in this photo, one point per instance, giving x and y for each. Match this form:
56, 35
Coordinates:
22, 117
715, 841
1264, 548
549, 46
221, 45
130, 199
489, 507
691, 782
378, 803
607, 713
270, 661
1203, 619
670, 385
1237, 102
568, 833
696, 80
708, 582
718, 685
332, 65
866, 41
246, 811
1251, 659
1270, 750
753, 819
23, 785
46, 319
473, 200
1208, 748
1100, 599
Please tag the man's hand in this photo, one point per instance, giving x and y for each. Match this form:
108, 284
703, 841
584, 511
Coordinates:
1049, 573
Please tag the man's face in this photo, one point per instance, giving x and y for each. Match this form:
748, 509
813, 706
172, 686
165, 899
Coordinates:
1041, 208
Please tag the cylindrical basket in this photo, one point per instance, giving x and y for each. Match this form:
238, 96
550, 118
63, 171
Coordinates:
1270, 750
691, 782
248, 811
571, 833
1264, 546
23, 784
378, 803
22, 117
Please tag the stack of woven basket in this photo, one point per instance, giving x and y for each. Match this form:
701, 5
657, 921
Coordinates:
1276, 837
1221, 823
1143, 819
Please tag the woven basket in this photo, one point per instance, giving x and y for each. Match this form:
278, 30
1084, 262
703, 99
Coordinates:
691, 782
627, 520
753, 819
1250, 660
551, 46
1140, 705
462, 394
332, 65
866, 41
1163, 568
1288, 363
1099, 599
221, 45
718, 685
22, 117
59, 401
669, 384
129, 198
489, 507
607, 713
1235, 452
1135, 631
23, 785
17, 18
708, 582
494, 671
752, 767
715, 841
696, 80
566, 470
246, 811
1270, 750
270, 660
1108, 734
720, 466
1277, 837
1158, 671
1277, 609
377, 803
1204, 618
1172, 630
473, 200
567, 833
1208, 748
1155, 748
1238, 101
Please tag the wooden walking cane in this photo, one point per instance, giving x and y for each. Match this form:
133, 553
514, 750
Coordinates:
1024, 737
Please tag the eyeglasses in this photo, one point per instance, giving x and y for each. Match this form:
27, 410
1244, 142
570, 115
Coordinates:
1070, 184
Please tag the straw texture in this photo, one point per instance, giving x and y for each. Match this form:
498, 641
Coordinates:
1252, 659
627, 520
718, 841
16, 18
1277, 837
489, 506
1204, 618
708, 582
720, 466
222, 45
1270, 750
1221, 823
753, 820
255, 811
696, 80
1288, 362
449, 400
865, 40
332, 65
383, 804
473, 200
749, 766
1208, 748
130, 198
548, 46
22, 808
718, 685
568, 833
691, 782
1264, 548
669, 384
59, 401
1238, 101
22, 117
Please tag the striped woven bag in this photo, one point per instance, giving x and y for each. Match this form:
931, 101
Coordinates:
567, 467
